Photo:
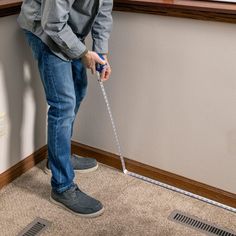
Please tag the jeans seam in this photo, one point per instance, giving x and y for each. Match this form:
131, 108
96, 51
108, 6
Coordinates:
58, 114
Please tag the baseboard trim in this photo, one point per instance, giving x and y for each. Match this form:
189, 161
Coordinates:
113, 160
178, 181
20, 168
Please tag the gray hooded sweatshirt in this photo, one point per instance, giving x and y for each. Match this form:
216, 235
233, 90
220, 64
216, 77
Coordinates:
63, 24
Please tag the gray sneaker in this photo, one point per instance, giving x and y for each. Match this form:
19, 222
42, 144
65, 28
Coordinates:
77, 202
80, 164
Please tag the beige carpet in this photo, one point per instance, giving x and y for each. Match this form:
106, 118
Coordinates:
132, 207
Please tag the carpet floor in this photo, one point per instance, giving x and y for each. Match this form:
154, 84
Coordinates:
132, 207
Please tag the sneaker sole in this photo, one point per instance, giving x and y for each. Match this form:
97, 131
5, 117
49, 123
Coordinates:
92, 215
48, 171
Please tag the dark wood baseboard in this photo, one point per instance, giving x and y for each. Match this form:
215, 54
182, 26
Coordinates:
23, 166
113, 160
178, 181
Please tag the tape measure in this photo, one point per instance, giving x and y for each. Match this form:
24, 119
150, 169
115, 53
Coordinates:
99, 69
144, 178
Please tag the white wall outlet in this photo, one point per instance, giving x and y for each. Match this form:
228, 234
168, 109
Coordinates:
2, 124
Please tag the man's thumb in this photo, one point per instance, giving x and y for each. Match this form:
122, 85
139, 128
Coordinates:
99, 60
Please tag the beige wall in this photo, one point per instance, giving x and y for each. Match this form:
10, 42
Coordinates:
21, 97
173, 95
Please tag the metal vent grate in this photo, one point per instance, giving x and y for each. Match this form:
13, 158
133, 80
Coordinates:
198, 224
36, 227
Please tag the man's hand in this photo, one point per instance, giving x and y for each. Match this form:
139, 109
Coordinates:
105, 75
90, 59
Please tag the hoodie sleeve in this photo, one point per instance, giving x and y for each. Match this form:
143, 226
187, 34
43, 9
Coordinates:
55, 14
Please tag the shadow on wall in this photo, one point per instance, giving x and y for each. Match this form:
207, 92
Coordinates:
25, 101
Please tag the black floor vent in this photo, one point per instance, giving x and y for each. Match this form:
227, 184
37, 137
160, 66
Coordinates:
35, 228
199, 225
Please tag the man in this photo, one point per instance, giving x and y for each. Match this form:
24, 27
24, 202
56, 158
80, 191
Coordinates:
56, 30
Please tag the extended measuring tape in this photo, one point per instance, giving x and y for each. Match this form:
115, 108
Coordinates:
99, 69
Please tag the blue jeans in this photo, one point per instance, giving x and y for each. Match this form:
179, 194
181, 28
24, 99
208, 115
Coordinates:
65, 85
